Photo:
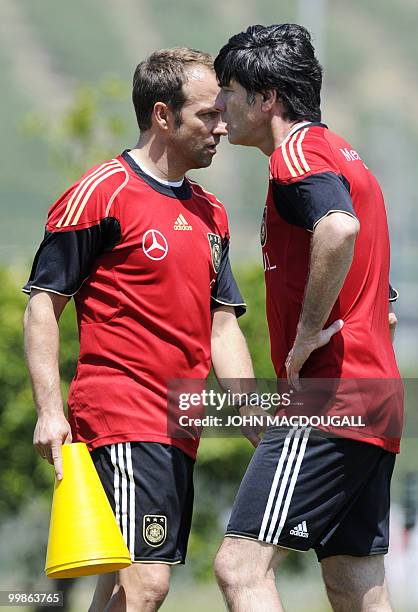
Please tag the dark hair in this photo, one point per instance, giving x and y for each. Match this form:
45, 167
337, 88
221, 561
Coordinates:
279, 57
160, 78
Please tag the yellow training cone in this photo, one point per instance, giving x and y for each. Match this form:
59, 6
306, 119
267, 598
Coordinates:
84, 537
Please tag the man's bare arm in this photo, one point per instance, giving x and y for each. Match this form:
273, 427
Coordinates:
41, 334
231, 360
331, 256
230, 355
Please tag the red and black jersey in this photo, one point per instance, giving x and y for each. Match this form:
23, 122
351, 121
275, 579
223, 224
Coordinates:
313, 173
146, 263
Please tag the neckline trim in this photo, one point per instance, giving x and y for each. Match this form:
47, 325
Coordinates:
183, 192
156, 178
294, 131
308, 124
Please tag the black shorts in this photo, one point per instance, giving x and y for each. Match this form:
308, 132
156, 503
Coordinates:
303, 490
150, 488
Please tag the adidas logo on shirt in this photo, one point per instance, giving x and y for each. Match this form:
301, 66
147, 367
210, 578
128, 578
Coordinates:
300, 530
181, 224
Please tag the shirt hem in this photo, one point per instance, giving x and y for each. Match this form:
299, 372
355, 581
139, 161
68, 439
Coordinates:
189, 450
391, 447
387, 445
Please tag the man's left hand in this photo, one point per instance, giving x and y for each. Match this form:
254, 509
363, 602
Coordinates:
252, 433
393, 321
304, 345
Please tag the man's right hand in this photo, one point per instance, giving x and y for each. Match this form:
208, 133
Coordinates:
51, 432
42, 354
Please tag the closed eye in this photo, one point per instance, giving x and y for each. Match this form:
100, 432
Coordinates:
211, 114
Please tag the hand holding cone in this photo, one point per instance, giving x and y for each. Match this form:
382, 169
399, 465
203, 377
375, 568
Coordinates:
84, 537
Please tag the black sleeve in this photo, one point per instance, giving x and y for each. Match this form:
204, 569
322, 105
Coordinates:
64, 259
393, 294
225, 291
305, 202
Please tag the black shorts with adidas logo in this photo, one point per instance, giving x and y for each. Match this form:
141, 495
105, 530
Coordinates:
150, 488
304, 490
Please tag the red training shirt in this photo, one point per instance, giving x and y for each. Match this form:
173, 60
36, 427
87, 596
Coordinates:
146, 263
313, 173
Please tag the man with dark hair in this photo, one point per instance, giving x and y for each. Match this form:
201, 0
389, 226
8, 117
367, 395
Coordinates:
326, 258
144, 252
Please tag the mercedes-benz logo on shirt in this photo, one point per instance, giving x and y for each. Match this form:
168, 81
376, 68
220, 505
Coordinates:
154, 245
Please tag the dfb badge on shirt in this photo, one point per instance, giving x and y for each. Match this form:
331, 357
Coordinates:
154, 529
215, 243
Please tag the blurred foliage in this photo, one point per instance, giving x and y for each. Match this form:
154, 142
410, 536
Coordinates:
87, 132
254, 324
23, 476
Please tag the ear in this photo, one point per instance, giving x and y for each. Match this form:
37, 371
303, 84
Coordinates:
160, 115
268, 99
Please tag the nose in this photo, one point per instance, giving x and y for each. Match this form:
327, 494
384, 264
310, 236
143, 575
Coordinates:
220, 106
220, 128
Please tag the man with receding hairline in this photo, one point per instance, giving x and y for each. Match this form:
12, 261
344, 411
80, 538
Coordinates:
144, 251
